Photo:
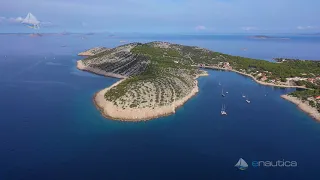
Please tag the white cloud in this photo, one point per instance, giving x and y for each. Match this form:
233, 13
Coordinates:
11, 19
200, 28
249, 28
19, 19
15, 20
47, 24
307, 27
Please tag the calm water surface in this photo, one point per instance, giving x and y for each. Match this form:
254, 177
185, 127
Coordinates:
50, 129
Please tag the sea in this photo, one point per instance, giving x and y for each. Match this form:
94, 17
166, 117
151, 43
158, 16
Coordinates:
51, 130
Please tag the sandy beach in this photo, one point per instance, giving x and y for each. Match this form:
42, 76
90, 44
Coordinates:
304, 106
111, 111
83, 67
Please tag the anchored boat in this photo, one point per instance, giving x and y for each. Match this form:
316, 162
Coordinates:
222, 94
223, 110
247, 100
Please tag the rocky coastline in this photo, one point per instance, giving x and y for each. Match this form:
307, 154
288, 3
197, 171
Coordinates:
304, 106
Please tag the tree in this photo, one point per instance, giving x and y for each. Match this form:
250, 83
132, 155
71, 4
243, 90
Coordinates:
311, 103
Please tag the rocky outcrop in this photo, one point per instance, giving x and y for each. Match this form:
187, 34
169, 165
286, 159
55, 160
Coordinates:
93, 51
119, 61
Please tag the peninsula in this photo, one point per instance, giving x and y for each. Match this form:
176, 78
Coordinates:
159, 77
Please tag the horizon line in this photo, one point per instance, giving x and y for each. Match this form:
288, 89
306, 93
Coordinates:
157, 33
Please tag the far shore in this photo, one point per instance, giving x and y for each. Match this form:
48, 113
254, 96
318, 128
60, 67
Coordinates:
313, 112
304, 106
249, 75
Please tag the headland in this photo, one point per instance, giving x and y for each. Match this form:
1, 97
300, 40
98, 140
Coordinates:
112, 111
93, 51
304, 106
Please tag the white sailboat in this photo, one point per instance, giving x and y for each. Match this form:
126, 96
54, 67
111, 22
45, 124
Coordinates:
248, 101
31, 21
223, 110
219, 83
222, 94
241, 164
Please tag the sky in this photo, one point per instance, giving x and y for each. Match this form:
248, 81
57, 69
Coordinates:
163, 16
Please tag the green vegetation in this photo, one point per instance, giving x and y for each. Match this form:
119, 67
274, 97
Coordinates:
308, 95
279, 70
282, 70
312, 103
308, 84
168, 68
283, 79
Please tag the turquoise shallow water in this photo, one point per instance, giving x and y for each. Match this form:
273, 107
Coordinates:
50, 129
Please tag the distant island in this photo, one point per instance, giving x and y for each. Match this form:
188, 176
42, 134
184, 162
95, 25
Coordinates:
35, 35
311, 34
64, 33
159, 77
267, 37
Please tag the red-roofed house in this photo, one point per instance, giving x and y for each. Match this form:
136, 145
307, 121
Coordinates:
311, 80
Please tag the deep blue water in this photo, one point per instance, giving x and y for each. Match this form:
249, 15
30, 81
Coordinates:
50, 129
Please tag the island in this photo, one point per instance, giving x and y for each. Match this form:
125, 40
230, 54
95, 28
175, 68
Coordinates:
158, 77
268, 37
35, 35
310, 34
